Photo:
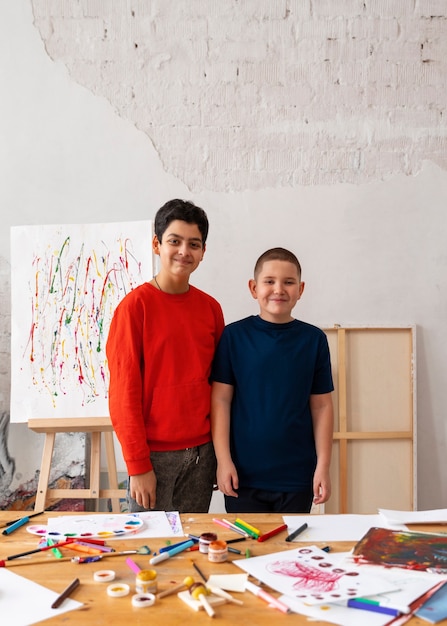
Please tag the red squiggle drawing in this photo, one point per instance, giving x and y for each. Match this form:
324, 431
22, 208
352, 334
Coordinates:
309, 578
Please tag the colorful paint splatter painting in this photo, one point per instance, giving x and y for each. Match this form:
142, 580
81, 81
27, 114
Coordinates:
66, 283
397, 548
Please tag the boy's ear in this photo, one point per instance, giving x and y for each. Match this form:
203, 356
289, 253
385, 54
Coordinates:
252, 287
155, 245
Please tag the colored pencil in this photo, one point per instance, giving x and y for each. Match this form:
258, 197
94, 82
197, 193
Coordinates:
71, 587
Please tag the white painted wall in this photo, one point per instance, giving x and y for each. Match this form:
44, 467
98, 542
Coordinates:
372, 253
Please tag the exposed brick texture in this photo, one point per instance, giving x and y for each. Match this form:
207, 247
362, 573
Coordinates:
247, 94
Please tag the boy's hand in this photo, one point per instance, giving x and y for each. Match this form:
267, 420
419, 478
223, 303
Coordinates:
227, 479
321, 486
143, 488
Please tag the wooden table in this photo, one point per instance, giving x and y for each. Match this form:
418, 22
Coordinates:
98, 608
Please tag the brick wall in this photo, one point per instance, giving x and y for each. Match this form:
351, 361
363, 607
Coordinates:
249, 94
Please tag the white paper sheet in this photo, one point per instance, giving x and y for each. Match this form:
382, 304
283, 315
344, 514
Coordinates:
329, 528
409, 586
24, 602
313, 576
434, 516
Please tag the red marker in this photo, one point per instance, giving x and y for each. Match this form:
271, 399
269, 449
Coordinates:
273, 532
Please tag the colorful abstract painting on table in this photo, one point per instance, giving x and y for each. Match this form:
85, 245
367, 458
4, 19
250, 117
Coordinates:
397, 548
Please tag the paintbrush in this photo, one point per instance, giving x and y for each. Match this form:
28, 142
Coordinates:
41, 549
6, 563
104, 555
34, 561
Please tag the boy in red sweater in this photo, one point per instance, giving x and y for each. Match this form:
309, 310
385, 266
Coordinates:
160, 348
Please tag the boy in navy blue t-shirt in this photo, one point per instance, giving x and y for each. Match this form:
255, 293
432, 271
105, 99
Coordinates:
271, 407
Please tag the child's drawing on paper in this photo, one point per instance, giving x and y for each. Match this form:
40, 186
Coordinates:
321, 578
66, 283
310, 575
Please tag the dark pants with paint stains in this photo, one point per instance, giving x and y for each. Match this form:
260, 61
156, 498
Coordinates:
185, 480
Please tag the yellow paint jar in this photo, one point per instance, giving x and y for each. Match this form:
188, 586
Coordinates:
146, 581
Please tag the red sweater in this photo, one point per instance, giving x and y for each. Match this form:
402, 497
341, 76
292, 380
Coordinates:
159, 349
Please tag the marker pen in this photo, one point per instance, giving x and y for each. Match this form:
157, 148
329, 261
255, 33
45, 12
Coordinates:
17, 524
172, 552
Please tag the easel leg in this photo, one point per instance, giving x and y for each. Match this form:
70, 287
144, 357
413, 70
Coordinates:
111, 467
44, 476
95, 463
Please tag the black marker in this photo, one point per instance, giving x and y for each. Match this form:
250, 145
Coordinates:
296, 532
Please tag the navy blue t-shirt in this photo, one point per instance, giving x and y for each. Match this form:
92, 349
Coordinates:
274, 368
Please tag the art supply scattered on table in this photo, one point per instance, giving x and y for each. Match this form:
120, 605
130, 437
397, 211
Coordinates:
104, 576
267, 597
133, 566
204, 541
17, 524
218, 551
66, 593
272, 533
229, 526
175, 545
99, 547
297, 532
364, 604
199, 592
51, 544
143, 600
146, 581
251, 530
187, 582
217, 591
198, 570
140, 550
86, 548
118, 590
19, 519
169, 553
61, 544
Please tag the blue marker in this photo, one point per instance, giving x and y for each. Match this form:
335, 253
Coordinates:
17, 524
175, 545
166, 555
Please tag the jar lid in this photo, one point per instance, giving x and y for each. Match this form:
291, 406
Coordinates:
218, 545
147, 574
104, 576
141, 600
208, 537
118, 590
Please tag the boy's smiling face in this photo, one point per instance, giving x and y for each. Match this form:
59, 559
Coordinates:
180, 250
277, 288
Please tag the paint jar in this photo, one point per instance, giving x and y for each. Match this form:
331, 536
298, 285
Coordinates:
146, 581
204, 541
217, 551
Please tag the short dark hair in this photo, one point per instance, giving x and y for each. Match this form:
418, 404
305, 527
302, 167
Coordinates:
277, 254
184, 210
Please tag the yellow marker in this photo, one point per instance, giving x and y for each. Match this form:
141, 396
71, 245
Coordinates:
248, 526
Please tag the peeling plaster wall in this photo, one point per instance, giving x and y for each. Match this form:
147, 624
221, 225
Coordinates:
329, 139
250, 94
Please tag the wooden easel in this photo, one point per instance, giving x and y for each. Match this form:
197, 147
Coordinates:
95, 426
